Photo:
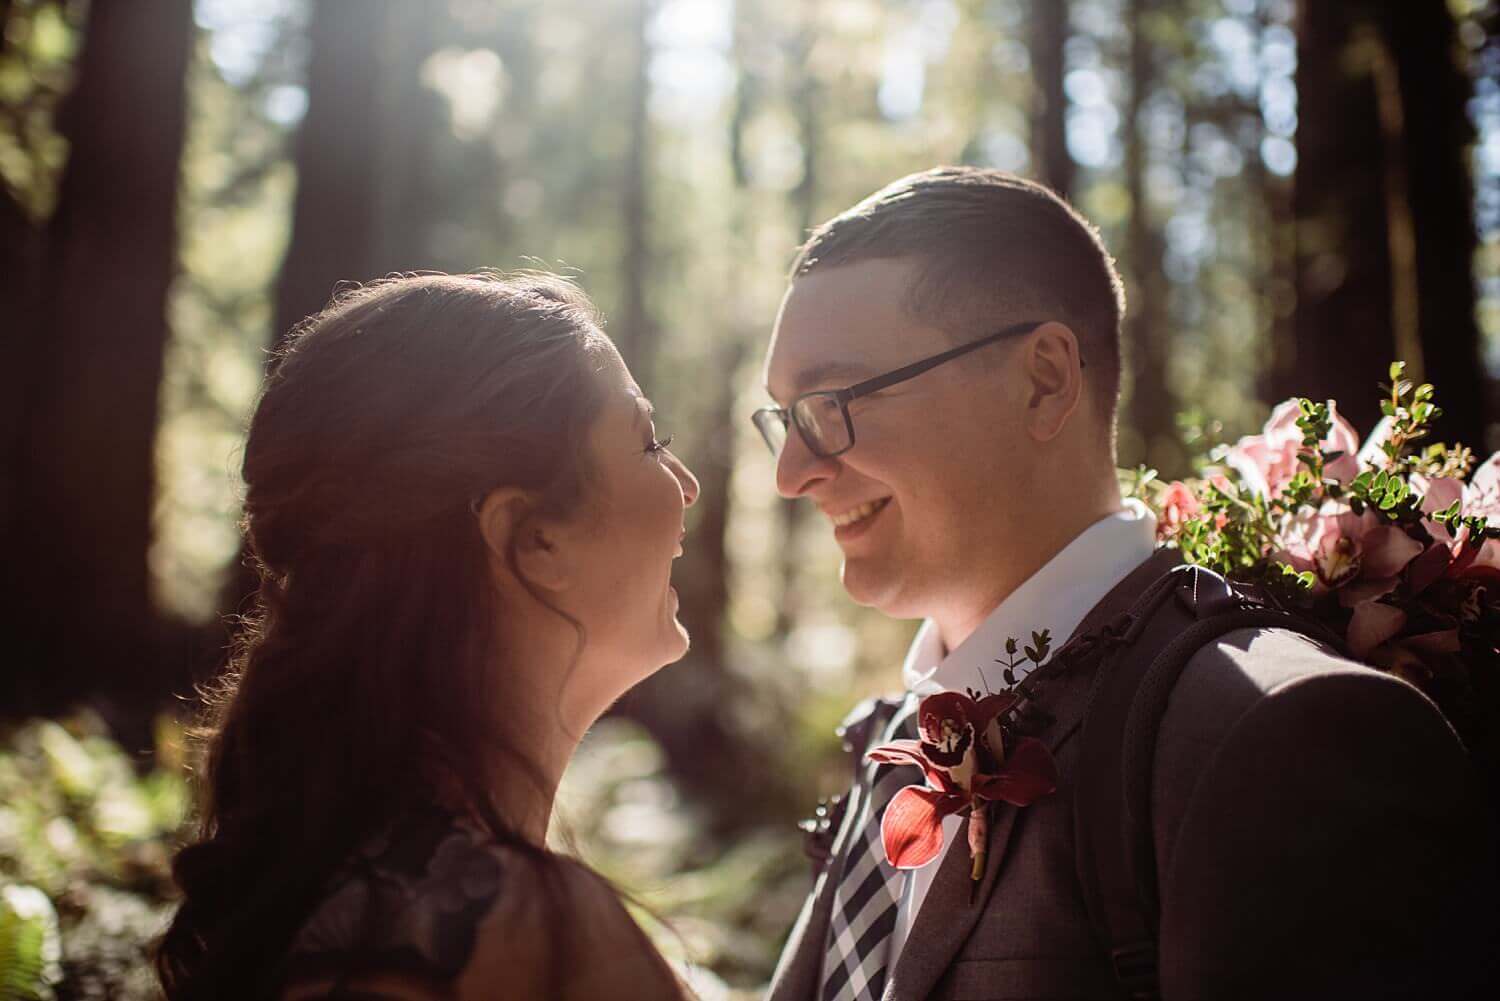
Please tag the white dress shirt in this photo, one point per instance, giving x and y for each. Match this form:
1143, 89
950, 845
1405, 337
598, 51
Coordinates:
1056, 597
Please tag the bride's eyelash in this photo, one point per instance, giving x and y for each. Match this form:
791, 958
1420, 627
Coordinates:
660, 444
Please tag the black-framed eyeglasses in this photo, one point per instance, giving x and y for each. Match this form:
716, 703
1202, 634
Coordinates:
822, 417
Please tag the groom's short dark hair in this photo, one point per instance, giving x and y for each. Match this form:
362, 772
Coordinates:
994, 248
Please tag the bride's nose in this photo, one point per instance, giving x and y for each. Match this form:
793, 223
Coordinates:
688, 480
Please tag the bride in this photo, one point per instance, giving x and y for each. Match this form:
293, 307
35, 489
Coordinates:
464, 524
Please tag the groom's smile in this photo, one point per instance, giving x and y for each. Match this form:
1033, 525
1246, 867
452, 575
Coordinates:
856, 520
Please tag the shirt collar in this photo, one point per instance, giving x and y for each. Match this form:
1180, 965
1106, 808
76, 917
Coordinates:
1055, 598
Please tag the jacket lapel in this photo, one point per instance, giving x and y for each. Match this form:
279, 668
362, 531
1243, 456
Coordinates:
947, 916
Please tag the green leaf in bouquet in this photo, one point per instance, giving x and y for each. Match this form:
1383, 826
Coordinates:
1397, 370
1449, 516
30, 944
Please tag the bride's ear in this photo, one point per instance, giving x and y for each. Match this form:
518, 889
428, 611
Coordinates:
512, 530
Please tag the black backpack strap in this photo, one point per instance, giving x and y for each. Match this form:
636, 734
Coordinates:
1113, 835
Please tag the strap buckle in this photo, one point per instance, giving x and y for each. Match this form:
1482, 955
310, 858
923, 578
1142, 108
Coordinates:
1135, 970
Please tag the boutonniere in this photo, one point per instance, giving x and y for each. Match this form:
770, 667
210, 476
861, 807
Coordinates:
969, 760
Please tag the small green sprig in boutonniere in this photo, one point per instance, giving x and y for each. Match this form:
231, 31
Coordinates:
1036, 653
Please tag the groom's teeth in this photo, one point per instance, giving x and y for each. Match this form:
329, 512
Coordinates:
857, 514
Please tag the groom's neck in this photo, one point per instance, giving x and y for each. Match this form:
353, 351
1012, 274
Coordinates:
1004, 565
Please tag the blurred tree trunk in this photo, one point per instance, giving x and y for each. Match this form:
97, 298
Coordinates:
20, 249
335, 229
1344, 328
807, 105
1384, 207
1433, 135
694, 713
336, 234
1054, 165
77, 568
1277, 301
412, 122
1147, 327
634, 331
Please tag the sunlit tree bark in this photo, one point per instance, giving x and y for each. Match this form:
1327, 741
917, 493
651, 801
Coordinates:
634, 329
807, 101
336, 234
339, 149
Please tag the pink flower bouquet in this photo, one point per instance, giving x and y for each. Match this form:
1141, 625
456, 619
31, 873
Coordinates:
1393, 545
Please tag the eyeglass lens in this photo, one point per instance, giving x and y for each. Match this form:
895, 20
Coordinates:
773, 429
821, 419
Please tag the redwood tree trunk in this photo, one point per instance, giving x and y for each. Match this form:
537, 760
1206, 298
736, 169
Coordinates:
77, 573
1435, 142
1384, 207
335, 236
1152, 407
1343, 331
634, 332
1049, 135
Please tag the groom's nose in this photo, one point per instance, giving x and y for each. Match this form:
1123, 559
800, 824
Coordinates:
798, 470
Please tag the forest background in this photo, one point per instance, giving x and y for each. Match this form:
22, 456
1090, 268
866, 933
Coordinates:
1298, 191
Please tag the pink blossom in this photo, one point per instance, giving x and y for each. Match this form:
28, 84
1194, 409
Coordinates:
1267, 462
1371, 625
1339, 546
1479, 498
1178, 505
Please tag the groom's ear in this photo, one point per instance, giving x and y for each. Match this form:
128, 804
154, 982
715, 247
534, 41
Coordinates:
1053, 371
522, 541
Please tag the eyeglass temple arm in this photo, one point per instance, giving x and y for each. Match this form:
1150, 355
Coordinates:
917, 368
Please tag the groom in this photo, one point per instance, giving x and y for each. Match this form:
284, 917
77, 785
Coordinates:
946, 367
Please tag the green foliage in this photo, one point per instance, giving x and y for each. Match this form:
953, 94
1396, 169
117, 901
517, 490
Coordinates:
85, 845
1036, 652
30, 944
36, 69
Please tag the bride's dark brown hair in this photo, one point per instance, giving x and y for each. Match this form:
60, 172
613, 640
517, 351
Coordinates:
364, 674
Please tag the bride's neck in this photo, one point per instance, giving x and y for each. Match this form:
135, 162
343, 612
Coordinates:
525, 790
539, 729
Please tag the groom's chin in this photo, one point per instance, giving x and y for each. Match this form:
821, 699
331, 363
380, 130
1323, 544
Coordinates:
866, 584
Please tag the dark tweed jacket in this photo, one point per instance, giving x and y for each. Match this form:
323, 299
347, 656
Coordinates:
1319, 832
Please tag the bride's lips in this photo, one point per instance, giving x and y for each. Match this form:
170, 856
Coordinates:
671, 590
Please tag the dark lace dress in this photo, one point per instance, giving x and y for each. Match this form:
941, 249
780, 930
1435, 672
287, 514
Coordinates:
409, 903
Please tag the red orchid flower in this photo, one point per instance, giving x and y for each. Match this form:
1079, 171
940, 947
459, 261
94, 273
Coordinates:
967, 761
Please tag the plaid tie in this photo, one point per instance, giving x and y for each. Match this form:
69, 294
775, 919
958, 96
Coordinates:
857, 960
